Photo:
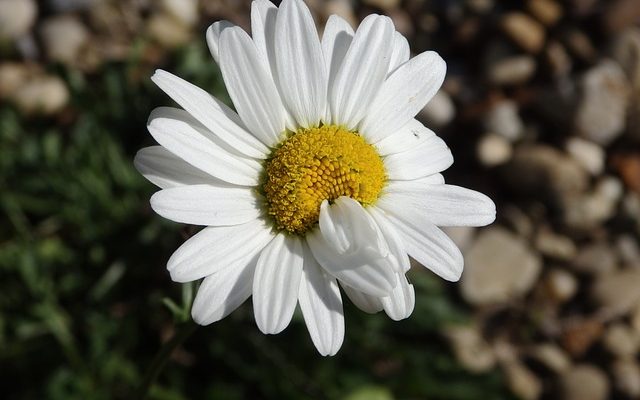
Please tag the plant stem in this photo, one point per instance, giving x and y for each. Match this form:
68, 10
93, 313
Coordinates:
183, 331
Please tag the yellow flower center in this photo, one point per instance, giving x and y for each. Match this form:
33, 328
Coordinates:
318, 164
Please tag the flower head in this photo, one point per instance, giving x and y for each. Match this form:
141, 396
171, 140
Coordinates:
322, 178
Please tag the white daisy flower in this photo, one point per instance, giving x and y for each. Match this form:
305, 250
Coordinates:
322, 178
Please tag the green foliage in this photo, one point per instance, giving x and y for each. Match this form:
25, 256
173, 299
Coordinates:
85, 301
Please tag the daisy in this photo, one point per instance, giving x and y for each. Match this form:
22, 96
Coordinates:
320, 179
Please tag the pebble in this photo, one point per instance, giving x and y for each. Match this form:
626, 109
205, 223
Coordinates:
595, 259
439, 111
470, 348
628, 249
12, 76
44, 95
559, 60
525, 31
621, 14
503, 119
626, 375
561, 285
617, 293
493, 150
522, 381
588, 211
580, 45
64, 38
512, 70
554, 245
626, 51
584, 382
590, 155
544, 172
17, 17
490, 277
601, 112
383, 4
167, 32
580, 334
185, 11
552, 356
546, 11
621, 341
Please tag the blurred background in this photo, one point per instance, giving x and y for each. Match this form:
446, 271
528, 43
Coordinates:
541, 108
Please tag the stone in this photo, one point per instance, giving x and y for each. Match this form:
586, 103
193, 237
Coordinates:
165, 30
493, 150
544, 172
628, 249
584, 382
561, 285
595, 259
552, 356
584, 213
626, 51
620, 14
601, 112
559, 60
17, 18
470, 348
12, 77
525, 31
554, 245
579, 334
503, 119
44, 95
185, 11
522, 381
439, 111
64, 38
512, 70
383, 4
626, 376
590, 155
546, 11
618, 293
579, 44
500, 266
621, 340
635, 319
462, 236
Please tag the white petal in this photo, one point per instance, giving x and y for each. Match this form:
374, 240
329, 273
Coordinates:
251, 86
362, 72
400, 53
366, 303
221, 293
166, 170
207, 205
276, 283
213, 37
263, 28
321, 306
411, 135
401, 302
185, 137
427, 158
403, 95
300, 64
350, 247
216, 248
442, 205
212, 113
398, 256
336, 40
428, 244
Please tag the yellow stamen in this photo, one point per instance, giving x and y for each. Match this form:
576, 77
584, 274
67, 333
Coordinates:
319, 164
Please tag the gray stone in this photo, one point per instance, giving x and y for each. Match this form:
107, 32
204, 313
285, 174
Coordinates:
621, 340
512, 70
44, 95
626, 375
470, 348
585, 382
500, 266
493, 150
601, 112
16, 17
503, 119
439, 111
64, 38
590, 155
618, 293
595, 259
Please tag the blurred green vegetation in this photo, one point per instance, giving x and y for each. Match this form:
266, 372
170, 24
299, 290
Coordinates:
86, 303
